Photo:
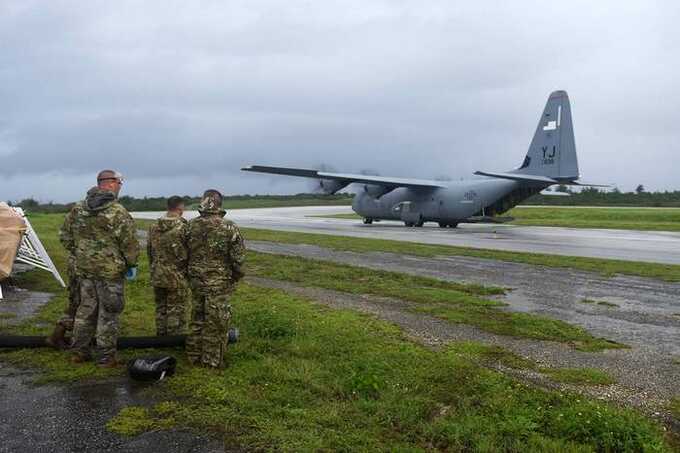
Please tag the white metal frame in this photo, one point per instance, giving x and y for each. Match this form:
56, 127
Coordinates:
32, 252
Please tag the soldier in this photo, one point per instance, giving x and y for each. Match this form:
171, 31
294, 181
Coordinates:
216, 254
168, 255
100, 235
65, 324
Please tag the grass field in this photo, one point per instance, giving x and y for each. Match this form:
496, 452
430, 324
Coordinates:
656, 219
653, 219
667, 272
308, 378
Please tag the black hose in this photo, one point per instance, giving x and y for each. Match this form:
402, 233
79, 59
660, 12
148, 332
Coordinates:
20, 341
24, 341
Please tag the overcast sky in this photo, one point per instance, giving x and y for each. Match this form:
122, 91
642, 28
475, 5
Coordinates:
179, 95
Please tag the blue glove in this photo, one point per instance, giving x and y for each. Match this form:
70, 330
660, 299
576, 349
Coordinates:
131, 273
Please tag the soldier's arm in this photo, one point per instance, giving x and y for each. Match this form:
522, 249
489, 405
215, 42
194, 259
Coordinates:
182, 250
127, 239
237, 253
149, 247
66, 232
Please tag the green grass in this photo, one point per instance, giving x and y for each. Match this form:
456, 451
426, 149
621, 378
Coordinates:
654, 219
455, 302
603, 303
588, 376
674, 407
306, 378
491, 355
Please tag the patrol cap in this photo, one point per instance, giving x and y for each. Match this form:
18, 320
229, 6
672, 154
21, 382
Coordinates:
109, 174
212, 193
211, 201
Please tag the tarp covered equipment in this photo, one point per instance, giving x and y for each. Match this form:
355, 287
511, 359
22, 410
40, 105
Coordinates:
12, 228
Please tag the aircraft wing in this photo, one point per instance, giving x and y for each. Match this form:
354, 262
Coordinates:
348, 178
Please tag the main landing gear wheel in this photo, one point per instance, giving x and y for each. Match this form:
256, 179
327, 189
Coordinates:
447, 225
409, 224
368, 221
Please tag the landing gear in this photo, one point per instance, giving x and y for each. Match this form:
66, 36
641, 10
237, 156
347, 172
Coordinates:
368, 221
418, 223
447, 225
443, 225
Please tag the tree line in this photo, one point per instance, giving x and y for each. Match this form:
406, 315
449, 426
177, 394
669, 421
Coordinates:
592, 196
589, 196
32, 205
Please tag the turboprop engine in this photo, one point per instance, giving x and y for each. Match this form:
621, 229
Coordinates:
331, 186
377, 191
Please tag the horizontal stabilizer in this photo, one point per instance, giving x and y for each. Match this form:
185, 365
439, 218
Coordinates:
348, 177
519, 177
585, 184
537, 179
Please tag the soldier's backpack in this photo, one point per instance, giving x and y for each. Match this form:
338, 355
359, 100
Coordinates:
152, 368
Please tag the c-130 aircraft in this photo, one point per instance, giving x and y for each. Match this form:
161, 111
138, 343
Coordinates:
551, 160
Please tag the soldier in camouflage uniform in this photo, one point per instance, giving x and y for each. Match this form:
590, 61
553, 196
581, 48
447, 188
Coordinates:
100, 236
216, 254
65, 324
168, 256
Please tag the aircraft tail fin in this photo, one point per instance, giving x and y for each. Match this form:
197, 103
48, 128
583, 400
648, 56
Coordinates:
552, 152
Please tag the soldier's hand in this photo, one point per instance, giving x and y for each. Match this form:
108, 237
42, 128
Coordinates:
131, 273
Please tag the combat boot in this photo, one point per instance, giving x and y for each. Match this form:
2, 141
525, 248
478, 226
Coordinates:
108, 362
57, 339
79, 358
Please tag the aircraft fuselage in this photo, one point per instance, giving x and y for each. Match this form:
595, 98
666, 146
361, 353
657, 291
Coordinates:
452, 205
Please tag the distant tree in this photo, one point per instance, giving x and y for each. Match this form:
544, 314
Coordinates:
28, 203
640, 189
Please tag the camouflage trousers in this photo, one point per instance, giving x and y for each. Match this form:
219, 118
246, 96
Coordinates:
66, 319
101, 303
208, 330
171, 310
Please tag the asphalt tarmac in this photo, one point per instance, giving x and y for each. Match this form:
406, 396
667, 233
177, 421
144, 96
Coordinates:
72, 418
629, 245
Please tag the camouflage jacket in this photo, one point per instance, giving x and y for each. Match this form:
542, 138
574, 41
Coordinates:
216, 252
168, 252
100, 236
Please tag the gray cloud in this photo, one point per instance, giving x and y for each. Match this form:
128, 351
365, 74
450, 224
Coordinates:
179, 96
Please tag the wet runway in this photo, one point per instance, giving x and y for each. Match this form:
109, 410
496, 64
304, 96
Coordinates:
650, 246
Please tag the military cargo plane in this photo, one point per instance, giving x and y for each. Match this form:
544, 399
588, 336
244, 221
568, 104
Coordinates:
551, 160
